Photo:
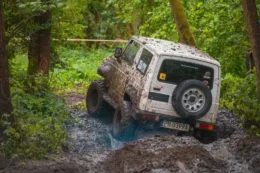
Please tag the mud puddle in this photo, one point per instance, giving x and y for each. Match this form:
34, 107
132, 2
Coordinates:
93, 149
233, 151
161, 150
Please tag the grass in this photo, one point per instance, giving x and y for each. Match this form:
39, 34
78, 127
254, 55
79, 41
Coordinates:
73, 73
76, 68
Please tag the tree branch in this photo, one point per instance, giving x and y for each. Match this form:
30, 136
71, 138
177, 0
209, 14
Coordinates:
19, 27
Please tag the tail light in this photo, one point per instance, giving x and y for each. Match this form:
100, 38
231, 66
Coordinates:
205, 126
149, 117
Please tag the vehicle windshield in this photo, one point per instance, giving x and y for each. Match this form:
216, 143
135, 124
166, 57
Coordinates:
131, 51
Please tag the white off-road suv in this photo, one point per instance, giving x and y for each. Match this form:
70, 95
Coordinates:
173, 85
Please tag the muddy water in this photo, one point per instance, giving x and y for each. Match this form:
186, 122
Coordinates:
158, 146
92, 134
88, 133
92, 149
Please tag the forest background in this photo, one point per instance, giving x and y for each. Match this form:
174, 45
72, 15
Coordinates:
39, 109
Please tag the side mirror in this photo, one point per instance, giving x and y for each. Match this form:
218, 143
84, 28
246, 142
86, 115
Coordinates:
118, 52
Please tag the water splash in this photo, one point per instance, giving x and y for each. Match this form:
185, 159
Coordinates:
115, 144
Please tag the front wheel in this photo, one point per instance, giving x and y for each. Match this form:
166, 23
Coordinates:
124, 127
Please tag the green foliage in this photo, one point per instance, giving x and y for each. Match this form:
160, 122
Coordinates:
218, 27
161, 16
220, 30
76, 67
68, 21
240, 95
40, 117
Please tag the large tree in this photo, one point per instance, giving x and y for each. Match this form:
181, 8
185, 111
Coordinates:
39, 46
5, 99
253, 29
183, 28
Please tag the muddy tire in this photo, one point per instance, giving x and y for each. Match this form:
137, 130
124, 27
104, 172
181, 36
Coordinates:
117, 128
124, 127
192, 99
94, 99
125, 113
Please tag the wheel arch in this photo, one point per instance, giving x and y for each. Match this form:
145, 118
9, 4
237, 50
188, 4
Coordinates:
131, 94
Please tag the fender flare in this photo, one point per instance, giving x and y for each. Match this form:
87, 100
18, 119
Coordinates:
132, 93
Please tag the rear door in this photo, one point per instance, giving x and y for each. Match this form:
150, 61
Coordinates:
159, 97
168, 74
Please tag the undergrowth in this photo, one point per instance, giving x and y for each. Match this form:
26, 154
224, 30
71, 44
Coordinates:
240, 95
40, 116
40, 111
76, 68
74, 71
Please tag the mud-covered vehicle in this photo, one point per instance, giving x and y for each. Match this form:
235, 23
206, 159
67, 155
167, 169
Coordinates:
173, 85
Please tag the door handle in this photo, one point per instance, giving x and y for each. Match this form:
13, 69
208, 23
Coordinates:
156, 89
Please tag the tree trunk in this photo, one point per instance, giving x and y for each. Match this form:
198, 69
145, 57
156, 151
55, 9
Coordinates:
130, 30
182, 24
34, 50
39, 46
253, 29
5, 99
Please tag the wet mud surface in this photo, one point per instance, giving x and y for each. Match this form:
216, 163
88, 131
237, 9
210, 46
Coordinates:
92, 149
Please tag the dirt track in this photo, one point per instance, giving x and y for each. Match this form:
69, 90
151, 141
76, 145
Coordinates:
92, 150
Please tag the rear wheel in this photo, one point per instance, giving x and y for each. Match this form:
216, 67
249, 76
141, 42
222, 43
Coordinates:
204, 136
94, 99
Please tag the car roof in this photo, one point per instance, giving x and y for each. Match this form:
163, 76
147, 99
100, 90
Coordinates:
170, 48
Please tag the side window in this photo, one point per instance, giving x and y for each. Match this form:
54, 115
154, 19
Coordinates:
130, 52
173, 71
144, 61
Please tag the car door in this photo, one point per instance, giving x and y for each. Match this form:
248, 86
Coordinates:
140, 67
123, 70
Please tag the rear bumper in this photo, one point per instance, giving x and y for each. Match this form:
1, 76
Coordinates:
149, 116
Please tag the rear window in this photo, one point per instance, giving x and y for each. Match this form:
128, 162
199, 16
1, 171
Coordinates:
175, 72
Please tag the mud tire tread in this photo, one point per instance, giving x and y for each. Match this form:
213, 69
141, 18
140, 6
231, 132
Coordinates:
124, 129
96, 110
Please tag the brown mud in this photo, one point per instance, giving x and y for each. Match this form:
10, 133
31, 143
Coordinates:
92, 149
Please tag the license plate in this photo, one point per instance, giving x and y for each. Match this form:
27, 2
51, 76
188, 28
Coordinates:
175, 126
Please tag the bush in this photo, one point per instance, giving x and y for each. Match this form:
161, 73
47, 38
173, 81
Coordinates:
40, 125
40, 117
76, 67
240, 95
